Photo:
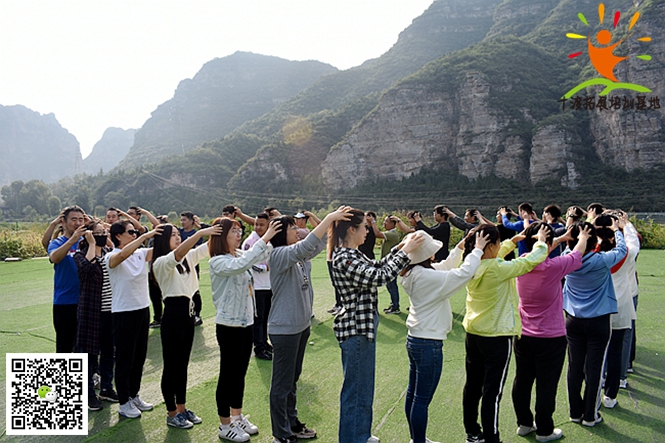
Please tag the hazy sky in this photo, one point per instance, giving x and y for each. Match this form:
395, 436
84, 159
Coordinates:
96, 64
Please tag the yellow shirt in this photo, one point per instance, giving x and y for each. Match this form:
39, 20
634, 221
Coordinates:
492, 300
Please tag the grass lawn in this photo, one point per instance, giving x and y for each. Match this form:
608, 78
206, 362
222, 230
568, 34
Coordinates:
26, 326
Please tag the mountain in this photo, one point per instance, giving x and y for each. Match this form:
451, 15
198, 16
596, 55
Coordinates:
224, 94
35, 146
109, 150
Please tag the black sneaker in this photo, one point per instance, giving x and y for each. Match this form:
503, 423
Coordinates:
302, 431
263, 355
108, 395
155, 324
392, 310
389, 308
94, 404
198, 321
480, 438
291, 439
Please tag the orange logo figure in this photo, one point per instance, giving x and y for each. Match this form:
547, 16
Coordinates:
602, 57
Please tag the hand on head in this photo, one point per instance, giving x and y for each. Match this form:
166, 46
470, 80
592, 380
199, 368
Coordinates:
541, 235
411, 242
481, 241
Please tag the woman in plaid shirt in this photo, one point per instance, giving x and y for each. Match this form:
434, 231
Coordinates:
357, 278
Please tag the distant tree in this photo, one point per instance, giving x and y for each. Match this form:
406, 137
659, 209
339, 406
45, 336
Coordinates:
11, 196
36, 194
83, 198
54, 205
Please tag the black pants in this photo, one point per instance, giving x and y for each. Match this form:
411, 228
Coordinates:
155, 298
235, 346
613, 362
338, 297
289, 353
198, 304
263, 299
106, 351
588, 339
64, 323
131, 346
538, 360
177, 334
487, 361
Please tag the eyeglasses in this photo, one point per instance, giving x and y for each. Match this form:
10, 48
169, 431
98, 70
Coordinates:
132, 232
294, 228
236, 231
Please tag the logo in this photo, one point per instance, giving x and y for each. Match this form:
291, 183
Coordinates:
602, 54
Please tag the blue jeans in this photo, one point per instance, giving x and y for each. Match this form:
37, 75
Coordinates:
394, 293
426, 362
358, 364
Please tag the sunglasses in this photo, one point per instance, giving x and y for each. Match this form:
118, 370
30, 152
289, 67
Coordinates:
132, 232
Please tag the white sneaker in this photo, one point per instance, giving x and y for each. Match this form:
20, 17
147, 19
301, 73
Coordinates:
244, 424
623, 384
525, 430
555, 435
591, 424
232, 432
427, 440
609, 402
129, 410
373, 439
140, 404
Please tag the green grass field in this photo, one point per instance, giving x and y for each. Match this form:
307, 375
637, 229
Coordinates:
26, 326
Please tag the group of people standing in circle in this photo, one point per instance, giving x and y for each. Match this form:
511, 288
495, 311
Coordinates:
571, 287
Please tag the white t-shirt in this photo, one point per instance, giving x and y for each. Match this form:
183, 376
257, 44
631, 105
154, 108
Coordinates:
171, 282
129, 281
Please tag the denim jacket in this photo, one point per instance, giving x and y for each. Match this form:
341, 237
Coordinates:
232, 283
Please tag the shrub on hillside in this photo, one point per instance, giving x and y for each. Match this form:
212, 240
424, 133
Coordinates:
653, 234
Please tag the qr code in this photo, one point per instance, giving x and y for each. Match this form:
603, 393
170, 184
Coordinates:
47, 394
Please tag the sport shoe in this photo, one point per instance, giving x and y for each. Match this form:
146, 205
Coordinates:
623, 384
140, 404
244, 424
179, 421
198, 321
480, 438
334, 310
609, 402
191, 416
392, 311
129, 410
576, 420
94, 404
263, 355
155, 324
389, 308
630, 370
593, 423
232, 432
108, 395
373, 439
291, 439
302, 431
427, 440
555, 435
523, 430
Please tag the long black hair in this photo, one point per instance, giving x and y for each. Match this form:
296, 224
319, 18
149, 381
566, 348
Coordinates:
484, 229
279, 239
161, 246
338, 229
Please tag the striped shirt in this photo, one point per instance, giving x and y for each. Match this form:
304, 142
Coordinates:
106, 288
357, 278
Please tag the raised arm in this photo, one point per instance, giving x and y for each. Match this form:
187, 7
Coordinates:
153, 220
181, 251
133, 221
313, 219
48, 235
57, 255
129, 249
246, 218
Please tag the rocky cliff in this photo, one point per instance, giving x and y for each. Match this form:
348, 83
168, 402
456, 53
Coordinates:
109, 150
35, 146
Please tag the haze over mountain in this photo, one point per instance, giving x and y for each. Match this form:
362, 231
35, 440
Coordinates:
225, 93
35, 146
109, 150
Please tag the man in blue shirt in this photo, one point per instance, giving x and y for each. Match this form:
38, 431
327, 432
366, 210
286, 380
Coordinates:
66, 278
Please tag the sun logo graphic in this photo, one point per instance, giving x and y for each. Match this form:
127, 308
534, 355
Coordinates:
602, 56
